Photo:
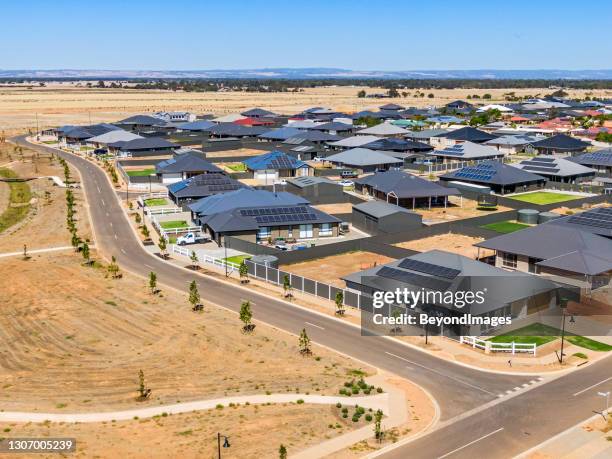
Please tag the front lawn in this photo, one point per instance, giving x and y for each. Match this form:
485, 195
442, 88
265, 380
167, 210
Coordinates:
505, 227
588, 343
237, 258
155, 202
237, 167
544, 197
173, 224
140, 172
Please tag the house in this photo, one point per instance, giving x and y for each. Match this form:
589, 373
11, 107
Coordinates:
440, 120
501, 108
364, 160
110, 137
147, 146
379, 217
202, 186
512, 144
557, 169
506, 294
258, 113
139, 123
391, 107
318, 190
600, 160
404, 190
195, 126
432, 136
466, 151
231, 129
248, 121
576, 249
334, 128
499, 177
407, 150
353, 142
282, 133
384, 130
184, 166
459, 105
228, 118
270, 167
559, 144
259, 216
465, 134
77, 136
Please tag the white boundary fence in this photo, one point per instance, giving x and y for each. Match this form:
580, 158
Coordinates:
489, 346
203, 258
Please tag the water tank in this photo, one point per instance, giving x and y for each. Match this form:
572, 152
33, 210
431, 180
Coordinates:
547, 216
528, 216
268, 260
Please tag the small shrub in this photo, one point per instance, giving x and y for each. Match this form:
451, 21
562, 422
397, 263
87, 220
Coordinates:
368, 417
379, 390
355, 390
581, 355
300, 401
338, 405
355, 418
345, 415
219, 406
345, 410
342, 392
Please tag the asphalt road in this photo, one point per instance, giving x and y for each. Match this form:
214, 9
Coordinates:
507, 427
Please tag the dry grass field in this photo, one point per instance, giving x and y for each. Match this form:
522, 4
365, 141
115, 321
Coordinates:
330, 269
59, 104
455, 243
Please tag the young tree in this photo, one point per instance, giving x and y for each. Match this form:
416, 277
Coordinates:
153, 282
194, 296
25, 252
339, 299
75, 240
194, 260
142, 389
246, 315
85, 252
304, 343
361, 94
145, 231
162, 244
282, 452
113, 268
243, 271
286, 285
378, 433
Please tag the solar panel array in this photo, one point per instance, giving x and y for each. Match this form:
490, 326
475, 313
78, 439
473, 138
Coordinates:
411, 278
273, 211
282, 162
480, 172
455, 150
286, 218
545, 165
597, 218
227, 187
429, 268
604, 157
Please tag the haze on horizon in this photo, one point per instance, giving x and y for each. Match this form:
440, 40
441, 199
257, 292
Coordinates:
356, 35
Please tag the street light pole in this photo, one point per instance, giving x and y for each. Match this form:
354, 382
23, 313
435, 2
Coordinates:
606, 395
226, 443
562, 338
225, 247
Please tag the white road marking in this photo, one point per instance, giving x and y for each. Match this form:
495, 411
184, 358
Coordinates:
594, 385
517, 388
150, 267
123, 251
471, 443
116, 236
103, 203
525, 385
441, 374
99, 191
315, 326
111, 223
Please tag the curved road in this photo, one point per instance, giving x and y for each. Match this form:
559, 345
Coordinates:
502, 426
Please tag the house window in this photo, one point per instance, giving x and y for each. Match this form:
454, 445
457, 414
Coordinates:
305, 231
509, 260
325, 229
264, 232
290, 231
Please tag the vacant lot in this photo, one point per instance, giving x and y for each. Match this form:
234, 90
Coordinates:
455, 243
505, 227
545, 197
340, 208
234, 153
254, 431
330, 269
458, 209
59, 104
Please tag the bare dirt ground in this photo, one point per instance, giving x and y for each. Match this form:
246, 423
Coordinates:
46, 224
19, 106
5, 192
457, 210
330, 269
455, 243
235, 153
341, 208
254, 431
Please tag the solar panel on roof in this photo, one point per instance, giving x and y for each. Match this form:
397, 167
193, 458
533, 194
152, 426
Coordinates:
429, 268
412, 278
552, 170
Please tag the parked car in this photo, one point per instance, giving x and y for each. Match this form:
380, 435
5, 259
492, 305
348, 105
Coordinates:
348, 174
281, 245
346, 183
100, 151
318, 160
191, 238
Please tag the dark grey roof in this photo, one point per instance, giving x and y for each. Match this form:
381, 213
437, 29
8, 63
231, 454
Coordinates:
280, 134
561, 142
404, 185
363, 157
148, 143
310, 180
596, 221
87, 132
204, 185
143, 120
550, 166
245, 198
398, 145
313, 136
237, 130
426, 133
199, 125
257, 112
332, 126
468, 133
380, 209
595, 158
493, 173
186, 163
391, 107
468, 151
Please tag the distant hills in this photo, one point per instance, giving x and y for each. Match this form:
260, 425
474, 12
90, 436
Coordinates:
312, 73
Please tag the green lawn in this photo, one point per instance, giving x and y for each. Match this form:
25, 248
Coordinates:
505, 227
173, 224
140, 172
237, 258
238, 167
155, 202
544, 197
19, 201
541, 334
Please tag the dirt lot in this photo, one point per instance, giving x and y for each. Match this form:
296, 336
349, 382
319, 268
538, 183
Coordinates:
46, 224
19, 105
235, 153
341, 208
455, 211
254, 431
330, 269
455, 243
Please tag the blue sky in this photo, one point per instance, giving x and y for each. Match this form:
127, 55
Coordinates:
354, 34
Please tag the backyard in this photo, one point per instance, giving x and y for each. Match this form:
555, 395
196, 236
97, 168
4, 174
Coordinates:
505, 227
152, 202
450, 242
544, 197
174, 224
236, 167
140, 172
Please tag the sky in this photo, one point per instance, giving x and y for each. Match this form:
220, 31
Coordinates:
351, 34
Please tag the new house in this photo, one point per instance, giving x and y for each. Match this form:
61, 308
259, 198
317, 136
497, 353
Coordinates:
512, 144
379, 217
260, 216
557, 169
465, 151
147, 146
184, 166
560, 144
202, 186
384, 130
270, 167
318, 190
365, 160
600, 160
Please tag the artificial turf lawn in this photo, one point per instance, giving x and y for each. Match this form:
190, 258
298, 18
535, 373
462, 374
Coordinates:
174, 224
541, 334
505, 227
544, 197
237, 259
239, 167
140, 173
155, 202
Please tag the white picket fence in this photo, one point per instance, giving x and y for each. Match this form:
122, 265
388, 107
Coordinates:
513, 348
203, 258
